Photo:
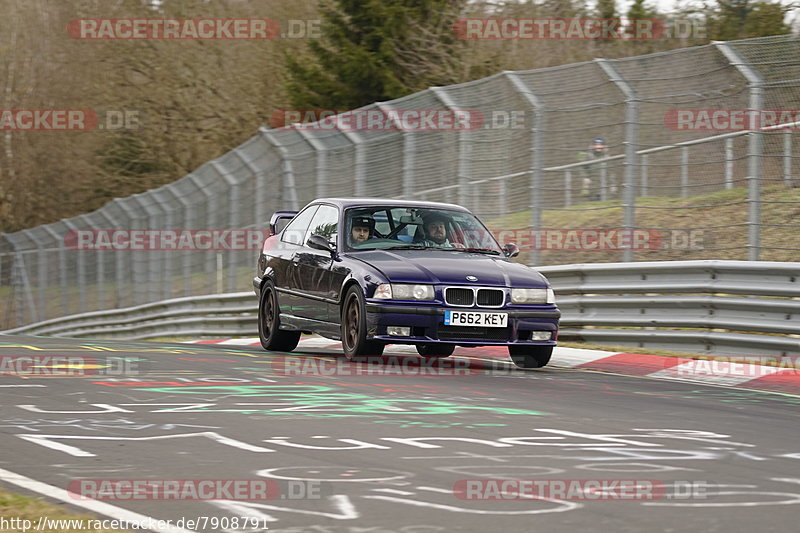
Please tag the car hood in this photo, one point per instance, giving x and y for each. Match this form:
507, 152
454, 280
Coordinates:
449, 267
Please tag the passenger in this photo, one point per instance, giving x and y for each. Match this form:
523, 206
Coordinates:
362, 228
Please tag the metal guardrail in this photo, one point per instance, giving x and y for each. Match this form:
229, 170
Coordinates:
708, 307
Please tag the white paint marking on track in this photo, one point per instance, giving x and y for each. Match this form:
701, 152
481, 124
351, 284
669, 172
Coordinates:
95, 506
238, 342
395, 491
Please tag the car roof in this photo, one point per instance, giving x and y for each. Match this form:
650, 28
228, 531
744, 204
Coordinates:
378, 202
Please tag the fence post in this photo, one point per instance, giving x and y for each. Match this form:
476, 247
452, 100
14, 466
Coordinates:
603, 181
729, 163
537, 156
464, 152
80, 284
289, 190
153, 221
643, 176
409, 152
567, 188
787, 157
631, 142
38, 311
754, 153
684, 172
62, 272
321, 166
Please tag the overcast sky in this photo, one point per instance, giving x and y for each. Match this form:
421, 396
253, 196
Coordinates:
667, 6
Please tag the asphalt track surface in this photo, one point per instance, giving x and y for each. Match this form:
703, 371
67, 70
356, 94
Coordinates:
391, 446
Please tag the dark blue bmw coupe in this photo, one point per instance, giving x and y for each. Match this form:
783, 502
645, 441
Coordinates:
371, 272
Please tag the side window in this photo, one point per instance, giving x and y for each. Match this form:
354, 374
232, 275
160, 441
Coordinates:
324, 223
297, 228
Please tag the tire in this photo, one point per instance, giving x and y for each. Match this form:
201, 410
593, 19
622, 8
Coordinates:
354, 326
434, 349
531, 356
269, 320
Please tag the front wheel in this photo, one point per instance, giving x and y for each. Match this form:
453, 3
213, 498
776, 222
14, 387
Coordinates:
435, 349
530, 356
354, 326
269, 318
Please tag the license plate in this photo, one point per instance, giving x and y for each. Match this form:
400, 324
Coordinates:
475, 318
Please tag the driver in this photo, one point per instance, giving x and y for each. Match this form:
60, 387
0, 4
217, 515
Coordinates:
435, 227
362, 228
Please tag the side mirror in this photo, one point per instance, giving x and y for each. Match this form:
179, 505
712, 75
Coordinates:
318, 242
511, 250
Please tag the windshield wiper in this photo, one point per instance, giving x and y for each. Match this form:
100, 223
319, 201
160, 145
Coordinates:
478, 251
408, 247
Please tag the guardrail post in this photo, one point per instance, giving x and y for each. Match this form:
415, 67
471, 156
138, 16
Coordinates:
537, 156
631, 142
754, 153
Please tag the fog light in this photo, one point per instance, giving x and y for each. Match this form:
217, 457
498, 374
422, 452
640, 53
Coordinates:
397, 331
541, 335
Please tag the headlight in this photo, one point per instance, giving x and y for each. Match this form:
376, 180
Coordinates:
397, 291
533, 296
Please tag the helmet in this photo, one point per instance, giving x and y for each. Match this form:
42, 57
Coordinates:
363, 221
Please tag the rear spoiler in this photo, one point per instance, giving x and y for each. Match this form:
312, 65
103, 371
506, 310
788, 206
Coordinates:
276, 217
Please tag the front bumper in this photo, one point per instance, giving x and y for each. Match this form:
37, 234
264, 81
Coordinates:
427, 325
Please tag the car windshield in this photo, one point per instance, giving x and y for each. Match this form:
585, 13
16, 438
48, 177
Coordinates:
415, 228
